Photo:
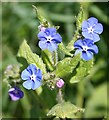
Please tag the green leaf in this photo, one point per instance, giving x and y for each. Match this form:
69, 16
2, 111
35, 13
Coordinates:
64, 49
32, 58
66, 66
82, 71
65, 110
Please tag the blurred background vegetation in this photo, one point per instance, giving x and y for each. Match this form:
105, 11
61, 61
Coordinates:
19, 22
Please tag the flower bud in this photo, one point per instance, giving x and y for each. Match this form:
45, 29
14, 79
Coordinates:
60, 83
41, 28
15, 93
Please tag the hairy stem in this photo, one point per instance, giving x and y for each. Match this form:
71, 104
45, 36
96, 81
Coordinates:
80, 96
59, 97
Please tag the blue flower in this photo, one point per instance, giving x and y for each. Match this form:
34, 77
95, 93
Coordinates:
33, 77
49, 39
86, 47
91, 29
15, 93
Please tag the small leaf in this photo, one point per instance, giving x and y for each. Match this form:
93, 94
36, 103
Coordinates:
65, 110
80, 18
41, 18
82, 71
31, 57
66, 66
76, 36
64, 49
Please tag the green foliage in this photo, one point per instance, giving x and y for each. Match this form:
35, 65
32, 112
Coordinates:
66, 66
82, 71
96, 106
32, 58
65, 110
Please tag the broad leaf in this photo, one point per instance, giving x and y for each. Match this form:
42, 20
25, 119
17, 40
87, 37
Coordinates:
66, 66
65, 110
82, 71
32, 58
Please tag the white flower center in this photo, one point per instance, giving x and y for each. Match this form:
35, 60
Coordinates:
85, 48
49, 38
90, 29
33, 77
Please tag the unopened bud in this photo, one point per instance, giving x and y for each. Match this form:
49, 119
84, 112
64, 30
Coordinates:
41, 28
60, 83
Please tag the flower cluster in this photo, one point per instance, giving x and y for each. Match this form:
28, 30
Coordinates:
49, 39
90, 30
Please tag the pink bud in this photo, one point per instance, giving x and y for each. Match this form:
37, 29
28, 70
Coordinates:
60, 83
41, 28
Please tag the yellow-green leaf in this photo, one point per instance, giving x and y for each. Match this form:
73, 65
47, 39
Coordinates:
66, 66
82, 71
65, 110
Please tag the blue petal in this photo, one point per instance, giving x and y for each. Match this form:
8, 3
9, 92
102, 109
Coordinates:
92, 36
42, 35
78, 43
87, 55
32, 69
78, 51
96, 37
92, 21
39, 75
93, 49
88, 42
85, 25
51, 31
87, 35
57, 38
25, 75
52, 46
43, 45
28, 84
98, 28
36, 84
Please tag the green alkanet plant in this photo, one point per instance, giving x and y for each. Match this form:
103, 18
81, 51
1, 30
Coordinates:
48, 70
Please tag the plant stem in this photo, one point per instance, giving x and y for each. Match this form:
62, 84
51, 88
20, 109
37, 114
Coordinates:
80, 96
59, 97
55, 57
